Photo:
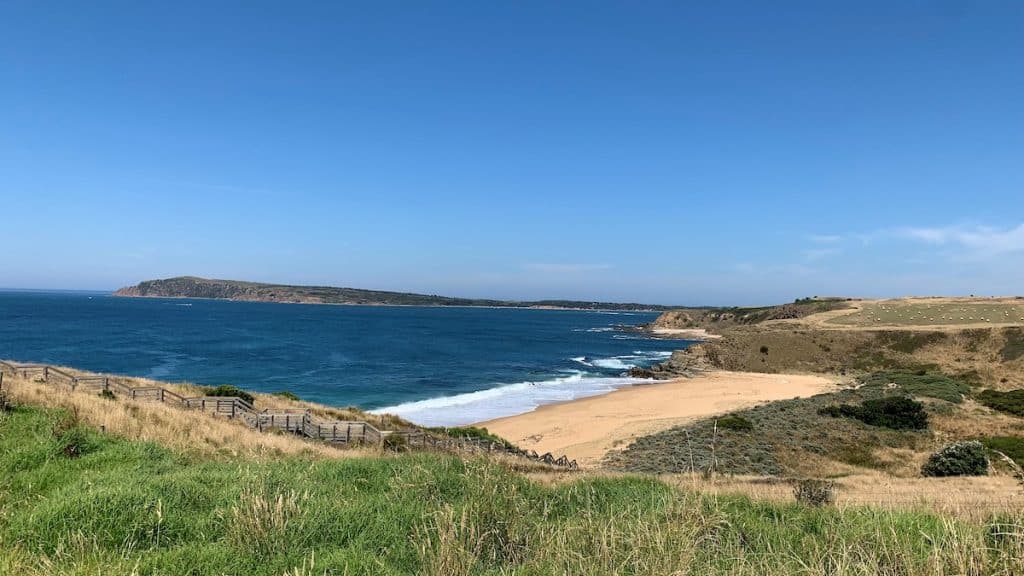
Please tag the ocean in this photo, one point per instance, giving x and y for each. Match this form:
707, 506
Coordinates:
434, 366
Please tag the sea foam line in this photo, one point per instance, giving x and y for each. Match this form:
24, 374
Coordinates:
504, 400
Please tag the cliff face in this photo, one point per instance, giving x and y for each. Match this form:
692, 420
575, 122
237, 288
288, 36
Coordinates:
710, 318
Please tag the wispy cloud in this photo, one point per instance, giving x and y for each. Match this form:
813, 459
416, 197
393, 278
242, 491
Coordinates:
815, 254
825, 238
984, 240
553, 268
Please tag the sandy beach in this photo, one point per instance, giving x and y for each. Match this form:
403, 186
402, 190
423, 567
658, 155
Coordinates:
688, 333
586, 429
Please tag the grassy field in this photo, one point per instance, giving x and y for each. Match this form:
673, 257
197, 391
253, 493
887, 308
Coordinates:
114, 506
936, 313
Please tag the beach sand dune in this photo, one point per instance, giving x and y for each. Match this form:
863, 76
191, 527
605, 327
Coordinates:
588, 428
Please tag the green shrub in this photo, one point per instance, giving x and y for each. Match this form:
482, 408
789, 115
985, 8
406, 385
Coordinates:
735, 423
958, 459
896, 412
920, 383
473, 433
1011, 402
227, 390
107, 395
288, 395
1012, 446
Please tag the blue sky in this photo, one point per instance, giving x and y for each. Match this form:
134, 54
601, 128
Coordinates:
691, 153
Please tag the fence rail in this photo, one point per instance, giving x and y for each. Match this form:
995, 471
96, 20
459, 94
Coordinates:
301, 422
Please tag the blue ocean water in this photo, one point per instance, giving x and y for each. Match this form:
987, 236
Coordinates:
435, 366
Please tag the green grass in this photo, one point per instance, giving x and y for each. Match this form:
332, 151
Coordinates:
921, 384
1011, 402
1012, 446
126, 507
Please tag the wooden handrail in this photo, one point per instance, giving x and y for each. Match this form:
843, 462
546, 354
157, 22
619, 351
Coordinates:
297, 420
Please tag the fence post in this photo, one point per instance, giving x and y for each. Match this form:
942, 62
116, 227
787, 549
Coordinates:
46, 374
74, 383
106, 383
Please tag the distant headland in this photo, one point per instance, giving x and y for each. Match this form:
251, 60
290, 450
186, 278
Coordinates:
194, 287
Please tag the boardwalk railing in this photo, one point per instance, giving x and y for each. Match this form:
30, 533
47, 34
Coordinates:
297, 421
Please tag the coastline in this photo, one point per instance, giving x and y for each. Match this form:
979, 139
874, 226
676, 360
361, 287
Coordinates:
587, 428
114, 294
699, 334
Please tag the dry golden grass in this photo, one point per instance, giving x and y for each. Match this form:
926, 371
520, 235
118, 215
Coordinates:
969, 498
263, 401
184, 431
972, 420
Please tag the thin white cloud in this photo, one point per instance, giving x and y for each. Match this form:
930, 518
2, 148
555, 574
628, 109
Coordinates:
554, 268
825, 238
987, 240
815, 254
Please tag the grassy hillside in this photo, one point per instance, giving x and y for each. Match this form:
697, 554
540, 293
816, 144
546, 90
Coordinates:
844, 434
193, 287
723, 317
74, 502
985, 356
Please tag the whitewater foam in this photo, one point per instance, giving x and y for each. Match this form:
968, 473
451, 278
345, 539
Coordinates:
504, 400
624, 361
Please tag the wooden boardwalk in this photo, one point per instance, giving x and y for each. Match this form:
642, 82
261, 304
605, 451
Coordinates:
300, 422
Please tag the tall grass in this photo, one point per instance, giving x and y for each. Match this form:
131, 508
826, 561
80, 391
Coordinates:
131, 507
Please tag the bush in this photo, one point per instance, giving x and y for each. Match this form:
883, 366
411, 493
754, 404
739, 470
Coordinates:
1012, 446
107, 395
735, 423
813, 492
764, 349
958, 459
896, 412
920, 383
227, 390
1011, 402
473, 433
288, 395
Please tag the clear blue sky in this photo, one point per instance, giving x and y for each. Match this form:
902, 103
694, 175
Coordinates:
702, 152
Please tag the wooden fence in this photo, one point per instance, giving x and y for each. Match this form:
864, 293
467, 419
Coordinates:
300, 422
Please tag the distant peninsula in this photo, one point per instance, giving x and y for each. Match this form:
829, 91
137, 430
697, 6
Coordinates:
194, 287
